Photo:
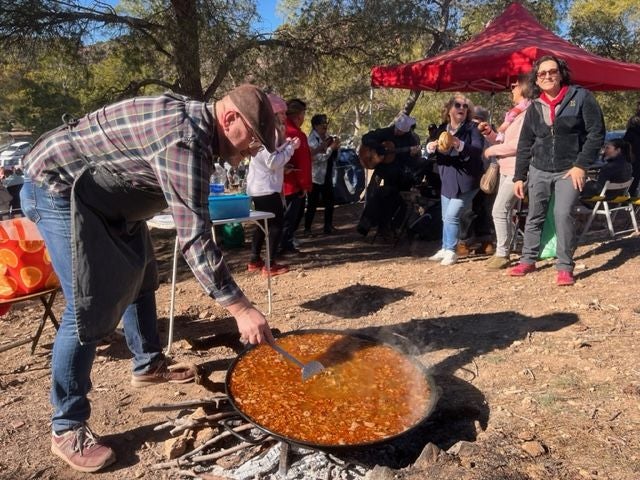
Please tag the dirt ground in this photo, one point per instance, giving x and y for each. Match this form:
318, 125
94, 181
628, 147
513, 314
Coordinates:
543, 381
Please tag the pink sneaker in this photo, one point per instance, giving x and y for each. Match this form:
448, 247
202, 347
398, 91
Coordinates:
82, 450
522, 269
255, 266
276, 269
564, 277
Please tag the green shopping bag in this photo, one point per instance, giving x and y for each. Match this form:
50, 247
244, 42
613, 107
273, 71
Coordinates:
548, 239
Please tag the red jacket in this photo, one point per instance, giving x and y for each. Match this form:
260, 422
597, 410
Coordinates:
299, 179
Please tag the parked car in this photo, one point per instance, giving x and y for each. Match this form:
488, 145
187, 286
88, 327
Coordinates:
12, 156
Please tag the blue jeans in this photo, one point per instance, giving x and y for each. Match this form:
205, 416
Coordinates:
452, 209
72, 361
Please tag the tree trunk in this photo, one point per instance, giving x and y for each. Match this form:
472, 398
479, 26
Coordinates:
186, 48
410, 102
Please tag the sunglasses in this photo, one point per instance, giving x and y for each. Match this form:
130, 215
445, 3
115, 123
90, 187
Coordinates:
461, 105
551, 72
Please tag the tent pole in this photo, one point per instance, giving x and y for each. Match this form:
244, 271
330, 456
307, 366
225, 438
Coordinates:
491, 103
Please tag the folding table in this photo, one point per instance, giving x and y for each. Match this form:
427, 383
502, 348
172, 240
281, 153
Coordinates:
256, 217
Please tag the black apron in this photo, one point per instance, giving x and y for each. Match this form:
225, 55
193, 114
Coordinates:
112, 256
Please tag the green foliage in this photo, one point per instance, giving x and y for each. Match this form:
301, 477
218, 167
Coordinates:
76, 56
612, 32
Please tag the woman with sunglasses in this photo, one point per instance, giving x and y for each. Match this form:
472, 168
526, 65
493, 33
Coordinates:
504, 144
458, 154
561, 136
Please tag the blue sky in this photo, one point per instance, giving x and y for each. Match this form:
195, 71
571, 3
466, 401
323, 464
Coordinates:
270, 18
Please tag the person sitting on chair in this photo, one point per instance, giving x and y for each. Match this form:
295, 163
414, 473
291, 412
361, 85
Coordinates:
618, 169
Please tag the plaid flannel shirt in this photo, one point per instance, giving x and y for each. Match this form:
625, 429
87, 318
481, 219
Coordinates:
163, 144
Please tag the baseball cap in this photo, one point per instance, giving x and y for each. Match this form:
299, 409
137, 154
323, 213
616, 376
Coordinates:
404, 122
277, 103
255, 107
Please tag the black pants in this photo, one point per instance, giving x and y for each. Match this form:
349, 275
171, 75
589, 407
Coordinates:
383, 205
477, 222
268, 203
324, 191
292, 216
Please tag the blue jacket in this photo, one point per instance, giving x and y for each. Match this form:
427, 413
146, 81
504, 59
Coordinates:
460, 172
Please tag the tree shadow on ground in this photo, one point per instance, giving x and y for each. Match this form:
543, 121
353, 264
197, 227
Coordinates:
624, 248
370, 299
319, 251
461, 407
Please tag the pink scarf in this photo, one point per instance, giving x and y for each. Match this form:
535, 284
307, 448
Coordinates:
556, 101
511, 115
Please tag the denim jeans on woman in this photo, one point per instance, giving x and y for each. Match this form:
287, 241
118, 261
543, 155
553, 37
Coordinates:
72, 361
452, 209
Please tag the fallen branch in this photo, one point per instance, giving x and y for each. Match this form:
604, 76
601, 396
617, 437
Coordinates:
182, 461
221, 453
208, 443
200, 422
160, 407
10, 401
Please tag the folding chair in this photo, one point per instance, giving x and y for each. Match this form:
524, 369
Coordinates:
609, 207
518, 219
47, 297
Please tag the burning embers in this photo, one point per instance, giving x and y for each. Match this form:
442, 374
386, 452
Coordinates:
203, 442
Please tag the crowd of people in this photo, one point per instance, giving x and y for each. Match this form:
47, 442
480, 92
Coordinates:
91, 184
548, 141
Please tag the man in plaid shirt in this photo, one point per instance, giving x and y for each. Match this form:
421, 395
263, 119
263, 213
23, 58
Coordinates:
90, 185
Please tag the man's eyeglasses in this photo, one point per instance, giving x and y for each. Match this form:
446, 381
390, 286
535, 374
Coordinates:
461, 105
254, 144
551, 72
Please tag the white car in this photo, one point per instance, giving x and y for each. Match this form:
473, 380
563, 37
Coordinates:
12, 156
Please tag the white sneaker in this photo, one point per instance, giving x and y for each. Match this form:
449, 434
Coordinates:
436, 257
449, 258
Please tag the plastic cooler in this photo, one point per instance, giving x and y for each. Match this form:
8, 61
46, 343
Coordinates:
229, 206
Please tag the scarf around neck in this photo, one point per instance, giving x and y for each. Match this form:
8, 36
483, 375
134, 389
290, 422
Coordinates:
555, 102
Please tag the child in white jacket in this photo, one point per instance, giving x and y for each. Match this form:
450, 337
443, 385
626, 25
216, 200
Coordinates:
264, 186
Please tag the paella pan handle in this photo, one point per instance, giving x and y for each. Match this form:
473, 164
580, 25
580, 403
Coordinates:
245, 438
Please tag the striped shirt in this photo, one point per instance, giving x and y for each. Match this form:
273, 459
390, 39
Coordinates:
163, 144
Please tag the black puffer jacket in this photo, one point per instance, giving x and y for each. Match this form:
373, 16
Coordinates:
574, 139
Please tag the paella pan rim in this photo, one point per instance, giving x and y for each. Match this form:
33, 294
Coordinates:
431, 403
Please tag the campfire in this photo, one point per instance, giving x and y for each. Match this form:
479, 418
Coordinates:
273, 420
209, 440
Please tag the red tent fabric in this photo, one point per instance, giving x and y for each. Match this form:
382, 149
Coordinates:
492, 60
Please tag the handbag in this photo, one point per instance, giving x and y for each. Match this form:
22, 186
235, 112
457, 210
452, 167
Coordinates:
489, 179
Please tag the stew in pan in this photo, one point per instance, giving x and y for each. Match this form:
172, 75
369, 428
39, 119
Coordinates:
368, 392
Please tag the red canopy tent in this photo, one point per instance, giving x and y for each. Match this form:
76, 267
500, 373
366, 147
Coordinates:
491, 61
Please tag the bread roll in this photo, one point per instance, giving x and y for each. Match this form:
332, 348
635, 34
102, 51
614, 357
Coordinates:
445, 142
